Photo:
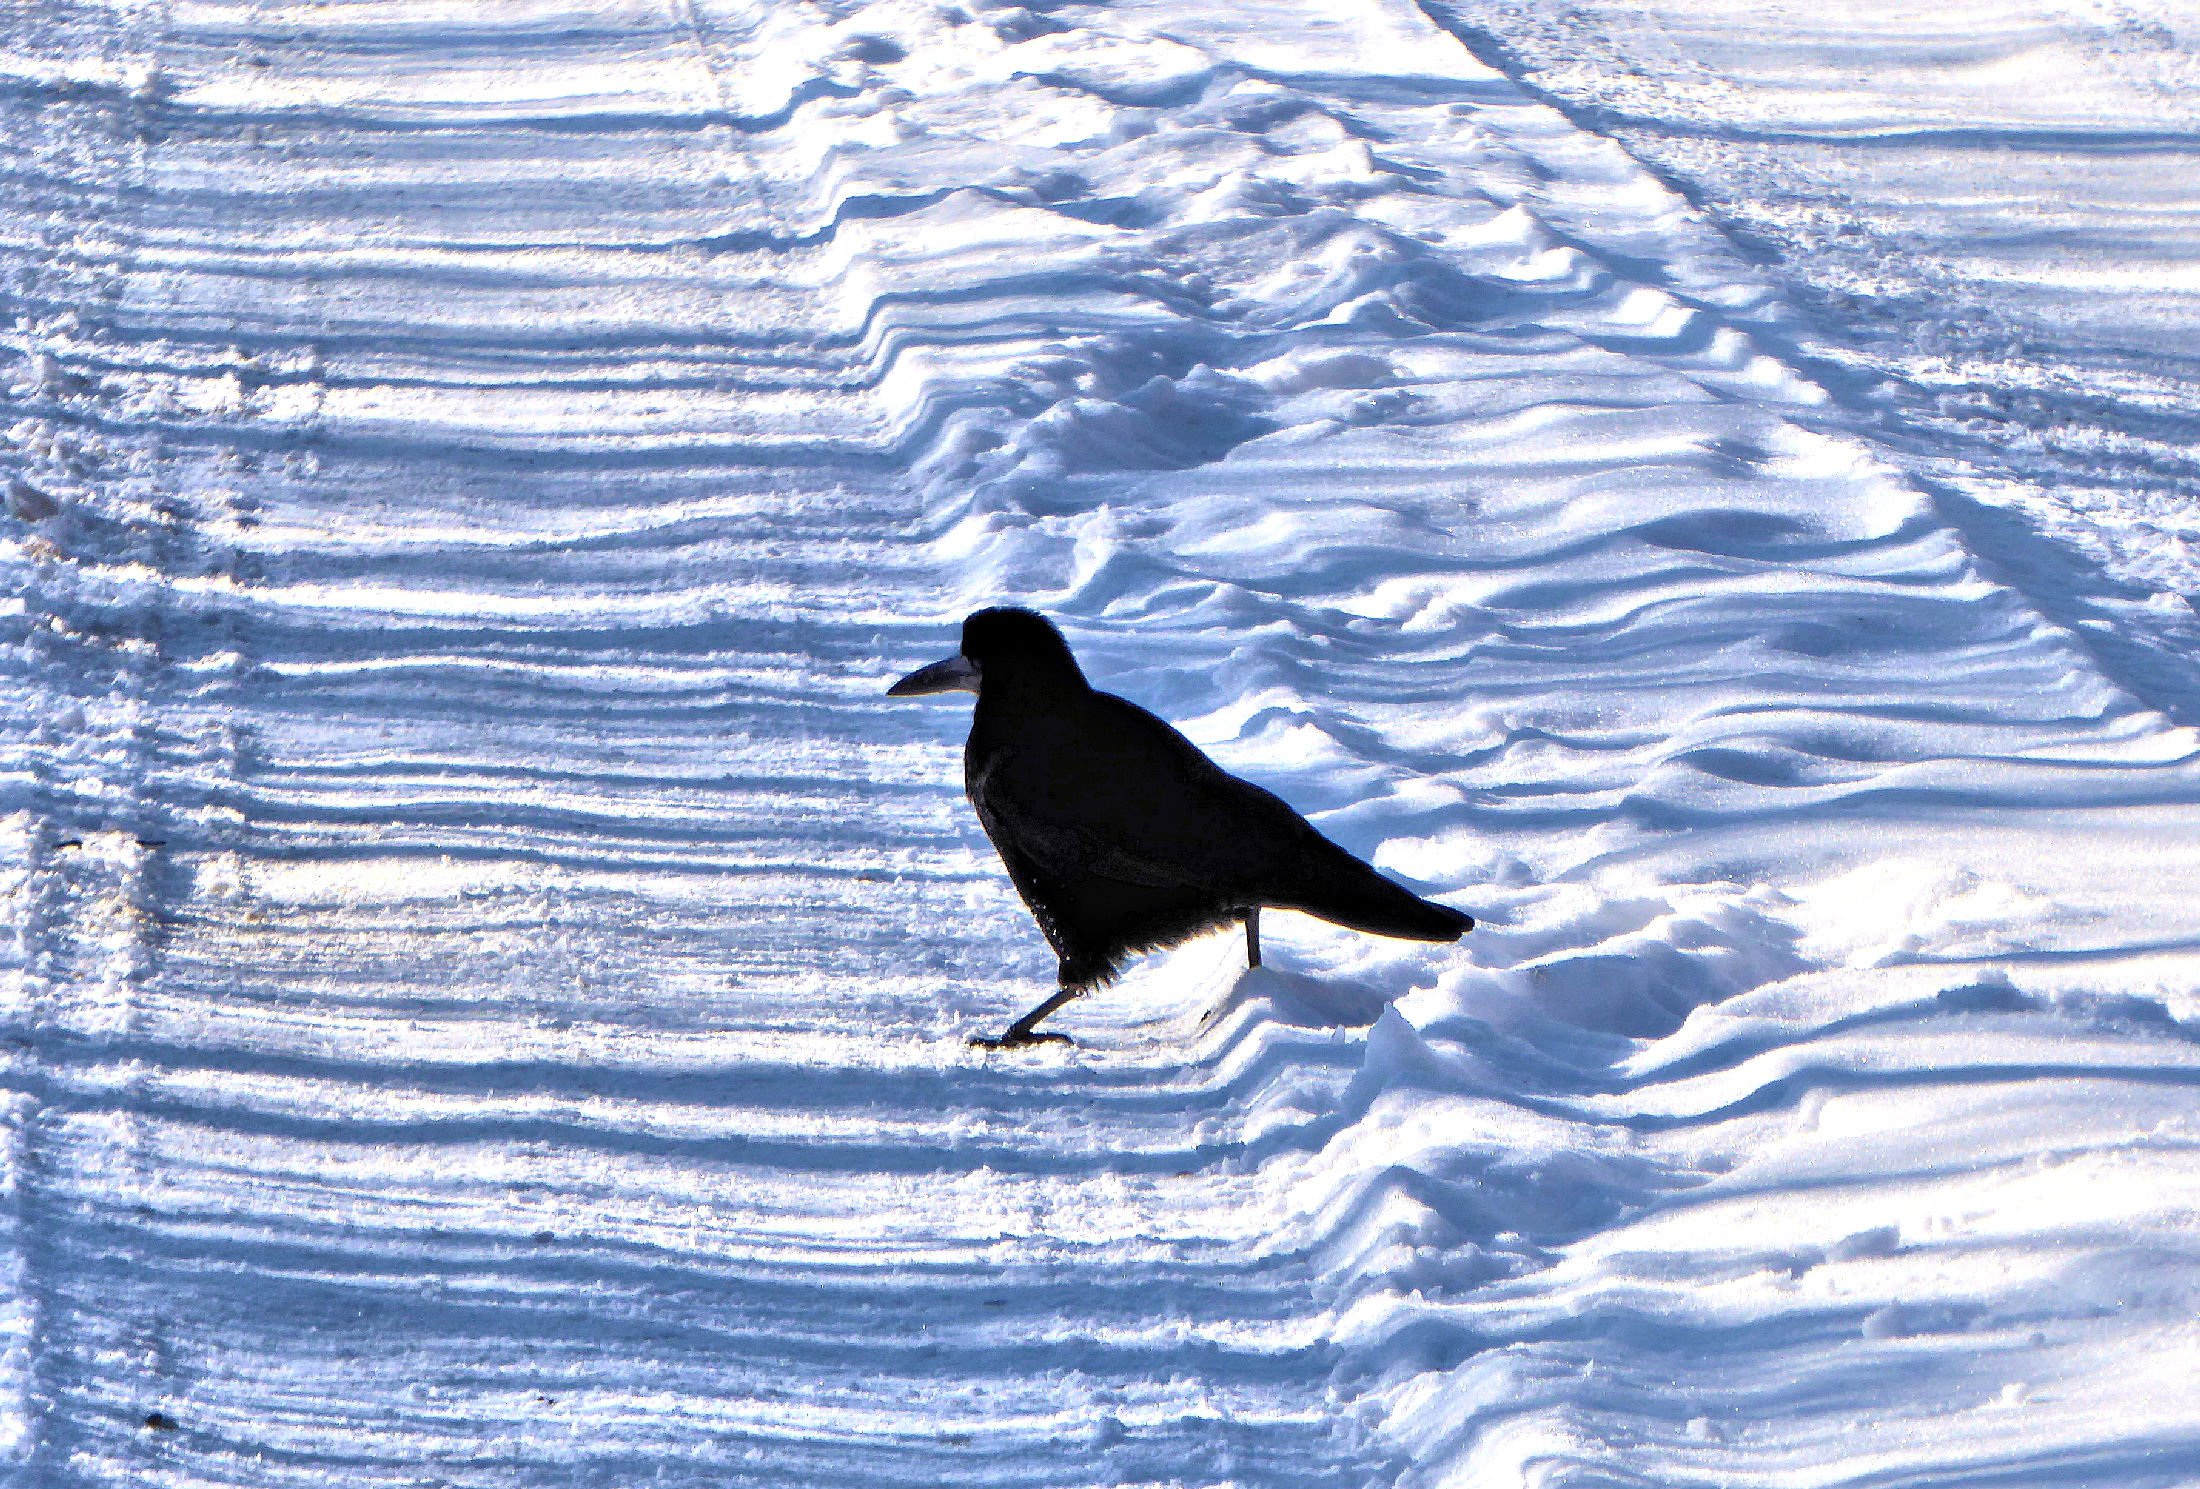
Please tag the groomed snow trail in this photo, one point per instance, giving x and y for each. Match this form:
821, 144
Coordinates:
534, 1051
491, 970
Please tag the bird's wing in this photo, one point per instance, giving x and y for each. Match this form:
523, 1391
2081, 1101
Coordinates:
1126, 797
1054, 838
1033, 884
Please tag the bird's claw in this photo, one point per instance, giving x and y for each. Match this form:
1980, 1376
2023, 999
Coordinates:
1016, 1039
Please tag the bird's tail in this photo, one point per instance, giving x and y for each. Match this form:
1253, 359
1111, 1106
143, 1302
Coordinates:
1342, 890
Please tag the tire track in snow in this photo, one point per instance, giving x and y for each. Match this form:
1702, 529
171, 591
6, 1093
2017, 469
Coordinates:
537, 1080
93, 625
1989, 228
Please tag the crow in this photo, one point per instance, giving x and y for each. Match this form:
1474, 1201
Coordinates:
1119, 834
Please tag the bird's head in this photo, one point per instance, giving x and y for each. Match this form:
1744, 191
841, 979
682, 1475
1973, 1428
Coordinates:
1001, 646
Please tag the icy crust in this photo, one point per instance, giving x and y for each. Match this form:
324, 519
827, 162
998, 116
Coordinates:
489, 973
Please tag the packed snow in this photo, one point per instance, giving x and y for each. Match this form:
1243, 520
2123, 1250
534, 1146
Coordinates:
488, 971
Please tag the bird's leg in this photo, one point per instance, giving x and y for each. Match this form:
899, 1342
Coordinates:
1020, 1032
1252, 936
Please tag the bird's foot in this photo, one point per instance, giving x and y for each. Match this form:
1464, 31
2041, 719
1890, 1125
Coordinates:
1016, 1039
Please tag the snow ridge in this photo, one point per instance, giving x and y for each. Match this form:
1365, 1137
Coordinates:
1537, 438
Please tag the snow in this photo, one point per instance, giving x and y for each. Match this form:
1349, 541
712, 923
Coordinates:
1989, 210
488, 974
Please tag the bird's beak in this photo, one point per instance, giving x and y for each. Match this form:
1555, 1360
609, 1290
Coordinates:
955, 673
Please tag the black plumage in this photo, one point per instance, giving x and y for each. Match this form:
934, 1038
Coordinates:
1119, 834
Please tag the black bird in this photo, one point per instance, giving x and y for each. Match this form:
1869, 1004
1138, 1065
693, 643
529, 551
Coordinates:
1119, 834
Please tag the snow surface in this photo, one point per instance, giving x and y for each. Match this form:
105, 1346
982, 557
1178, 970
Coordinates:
488, 973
